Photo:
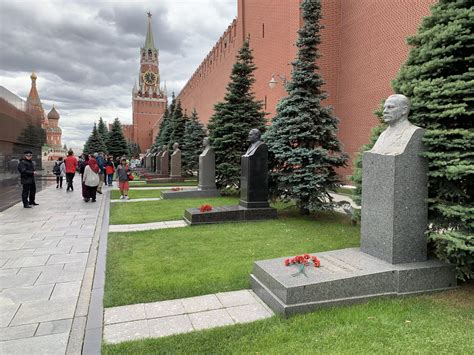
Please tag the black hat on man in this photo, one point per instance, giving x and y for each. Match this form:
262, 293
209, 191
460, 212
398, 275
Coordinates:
27, 152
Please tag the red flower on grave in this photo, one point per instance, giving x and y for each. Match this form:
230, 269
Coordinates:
302, 261
205, 208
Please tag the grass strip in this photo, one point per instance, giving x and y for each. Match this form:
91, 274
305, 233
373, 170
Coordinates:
163, 210
175, 263
345, 191
412, 325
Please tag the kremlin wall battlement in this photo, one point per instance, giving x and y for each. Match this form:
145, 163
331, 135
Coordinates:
218, 62
363, 45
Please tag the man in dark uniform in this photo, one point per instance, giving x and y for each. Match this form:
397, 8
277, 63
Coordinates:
27, 173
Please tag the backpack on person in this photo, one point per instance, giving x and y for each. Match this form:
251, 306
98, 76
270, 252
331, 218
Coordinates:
57, 169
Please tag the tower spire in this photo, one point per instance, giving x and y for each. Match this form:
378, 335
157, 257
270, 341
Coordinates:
149, 43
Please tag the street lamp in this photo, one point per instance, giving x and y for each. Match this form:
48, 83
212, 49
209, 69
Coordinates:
273, 82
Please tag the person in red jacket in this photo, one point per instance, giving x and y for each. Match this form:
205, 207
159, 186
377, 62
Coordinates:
109, 171
71, 166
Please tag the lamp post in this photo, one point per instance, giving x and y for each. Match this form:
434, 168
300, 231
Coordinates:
273, 82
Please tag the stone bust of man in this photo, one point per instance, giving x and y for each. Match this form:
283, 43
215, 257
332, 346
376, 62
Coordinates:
255, 142
176, 147
164, 150
206, 144
394, 139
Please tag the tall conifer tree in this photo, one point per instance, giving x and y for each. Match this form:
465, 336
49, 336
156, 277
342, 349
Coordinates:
116, 143
192, 144
177, 125
438, 78
94, 143
164, 135
302, 139
159, 142
102, 130
233, 119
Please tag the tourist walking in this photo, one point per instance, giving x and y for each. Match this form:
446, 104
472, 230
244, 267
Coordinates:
71, 166
122, 174
90, 179
59, 170
82, 167
109, 171
27, 174
101, 163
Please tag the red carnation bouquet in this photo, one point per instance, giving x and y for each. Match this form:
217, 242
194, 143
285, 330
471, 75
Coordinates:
303, 261
205, 208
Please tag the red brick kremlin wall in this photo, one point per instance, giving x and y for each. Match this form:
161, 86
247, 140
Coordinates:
363, 46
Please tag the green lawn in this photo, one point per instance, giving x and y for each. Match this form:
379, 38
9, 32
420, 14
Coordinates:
137, 193
163, 210
345, 191
184, 262
435, 324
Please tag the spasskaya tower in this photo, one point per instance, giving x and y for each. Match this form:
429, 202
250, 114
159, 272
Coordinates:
148, 98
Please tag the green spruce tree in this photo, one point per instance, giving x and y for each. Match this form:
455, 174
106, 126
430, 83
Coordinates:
194, 133
164, 135
32, 135
159, 141
134, 149
438, 77
234, 117
177, 125
116, 143
103, 131
94, 143
302, 140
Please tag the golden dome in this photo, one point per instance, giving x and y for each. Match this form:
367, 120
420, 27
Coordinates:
33, 76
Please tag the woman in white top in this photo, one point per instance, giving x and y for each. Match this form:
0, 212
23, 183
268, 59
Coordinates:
91, 180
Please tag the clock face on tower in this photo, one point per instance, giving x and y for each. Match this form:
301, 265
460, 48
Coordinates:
150, 78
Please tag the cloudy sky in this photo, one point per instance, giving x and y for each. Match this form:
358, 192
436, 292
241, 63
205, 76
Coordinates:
86, 52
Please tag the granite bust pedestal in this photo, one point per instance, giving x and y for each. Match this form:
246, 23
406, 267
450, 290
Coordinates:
147, 159
176, 162
207, 177
253, 204
153, 160
392, 258
207, 167
164, 162
158, 161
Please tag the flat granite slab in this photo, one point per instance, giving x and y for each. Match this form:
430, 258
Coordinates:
190, 194
230, 213
346, 276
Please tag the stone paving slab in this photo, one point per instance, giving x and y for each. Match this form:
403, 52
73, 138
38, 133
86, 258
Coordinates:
146, 226
160, 319
43, 254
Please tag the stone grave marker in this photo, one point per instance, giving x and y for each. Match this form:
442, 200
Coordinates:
392, 259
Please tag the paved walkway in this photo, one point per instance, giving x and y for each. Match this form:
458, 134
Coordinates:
46, 272
160, 319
